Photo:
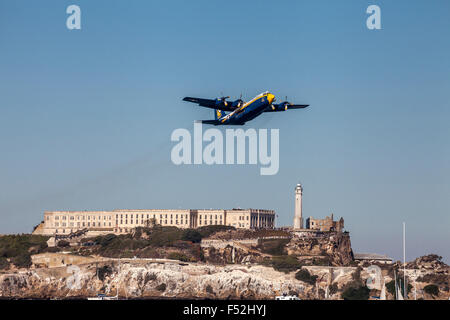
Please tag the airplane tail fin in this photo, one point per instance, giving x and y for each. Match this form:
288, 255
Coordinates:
218, 114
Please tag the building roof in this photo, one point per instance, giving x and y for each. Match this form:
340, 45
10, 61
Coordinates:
371, 256
154, 210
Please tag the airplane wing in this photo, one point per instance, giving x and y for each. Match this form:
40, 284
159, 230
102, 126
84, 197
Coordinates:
297, 106
210, 103
289, 106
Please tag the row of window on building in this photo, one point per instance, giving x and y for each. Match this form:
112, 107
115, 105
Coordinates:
83, 224
81, 217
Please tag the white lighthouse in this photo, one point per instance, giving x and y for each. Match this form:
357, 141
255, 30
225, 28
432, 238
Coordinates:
298, 218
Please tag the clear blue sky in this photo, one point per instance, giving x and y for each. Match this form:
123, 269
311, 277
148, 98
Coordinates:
86, 116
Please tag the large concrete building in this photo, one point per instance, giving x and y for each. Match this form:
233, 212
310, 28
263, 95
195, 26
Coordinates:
123, 221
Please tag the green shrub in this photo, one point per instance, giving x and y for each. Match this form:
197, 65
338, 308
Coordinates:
333, 288
184, 245
356, 275
138, 232
52, 249
321, 261
209, 289
106, 240
274, 246
119, 246
432, 289
192, 235
390, 286
103, 272
305, 276
157, 237
164, 236
162, 287
437, 279
19, 248
285, 263
150, 277
356, 293
196, 253
63, 244
14, 245
178, 256
148, 252
206, 231
22, 261
4, 263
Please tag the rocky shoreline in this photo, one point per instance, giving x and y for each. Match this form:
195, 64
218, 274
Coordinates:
143, 279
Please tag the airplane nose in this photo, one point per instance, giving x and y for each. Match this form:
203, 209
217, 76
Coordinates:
270, 97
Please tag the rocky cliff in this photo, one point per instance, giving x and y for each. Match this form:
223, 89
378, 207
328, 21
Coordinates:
330, 248
146, 279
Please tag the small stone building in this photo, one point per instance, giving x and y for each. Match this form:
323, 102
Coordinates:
327, 224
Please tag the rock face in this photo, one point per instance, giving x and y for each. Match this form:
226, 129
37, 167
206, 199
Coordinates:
232, 251
428, 262
145, 278
333, 246
140, 280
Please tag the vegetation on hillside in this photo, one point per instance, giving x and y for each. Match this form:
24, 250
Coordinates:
305, 276
178, 256
104, 271
355, 292
233, 233
17, 249
273, 246
437, 279
285, 263
151, 242
333, 288
431, 289
356, 289
390, 287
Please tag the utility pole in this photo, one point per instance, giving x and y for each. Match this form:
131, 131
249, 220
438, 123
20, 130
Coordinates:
404, 260
395, 285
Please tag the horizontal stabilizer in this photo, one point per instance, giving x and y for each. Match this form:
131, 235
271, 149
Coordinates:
298, 106
214, 122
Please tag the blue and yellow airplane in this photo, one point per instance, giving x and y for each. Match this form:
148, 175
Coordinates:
240, 111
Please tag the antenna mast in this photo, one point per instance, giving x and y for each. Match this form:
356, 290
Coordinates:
404, 260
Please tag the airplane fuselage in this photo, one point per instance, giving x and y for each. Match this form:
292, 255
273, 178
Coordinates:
248, 110
240, 111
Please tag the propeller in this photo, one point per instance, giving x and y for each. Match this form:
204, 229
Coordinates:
223, 97
222, 100
285, 103
282, 106
238, 102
